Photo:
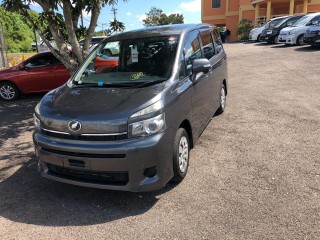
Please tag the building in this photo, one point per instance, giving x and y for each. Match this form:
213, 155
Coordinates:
228, 13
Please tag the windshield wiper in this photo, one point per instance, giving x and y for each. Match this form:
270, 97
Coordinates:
145, 84
108, 85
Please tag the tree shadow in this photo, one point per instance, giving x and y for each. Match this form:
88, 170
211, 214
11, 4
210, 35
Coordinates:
16, 117
28, 198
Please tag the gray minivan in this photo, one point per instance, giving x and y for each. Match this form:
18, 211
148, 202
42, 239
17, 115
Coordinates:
130, 125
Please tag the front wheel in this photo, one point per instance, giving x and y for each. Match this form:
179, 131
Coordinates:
181, 151
275, 40
258, 38
8, 91
300, 40
223, 100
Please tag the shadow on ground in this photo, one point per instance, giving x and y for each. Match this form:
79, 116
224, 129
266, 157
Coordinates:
16, 117
27, 198
307, 49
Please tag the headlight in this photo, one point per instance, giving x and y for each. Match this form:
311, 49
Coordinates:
292, 32
36, 122
147, 127
143, 123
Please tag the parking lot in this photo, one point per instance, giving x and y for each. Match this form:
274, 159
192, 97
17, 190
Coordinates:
254, 174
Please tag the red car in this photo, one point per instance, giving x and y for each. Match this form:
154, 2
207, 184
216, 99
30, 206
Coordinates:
40, 73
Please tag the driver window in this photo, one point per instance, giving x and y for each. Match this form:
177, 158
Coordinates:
43, 61
192, 50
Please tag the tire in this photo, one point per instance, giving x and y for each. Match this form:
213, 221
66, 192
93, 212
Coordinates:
8, 91
258, 38
223, 99
181, 149
275, 40
300, 40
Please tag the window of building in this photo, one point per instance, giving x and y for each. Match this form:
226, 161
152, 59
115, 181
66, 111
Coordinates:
216, 3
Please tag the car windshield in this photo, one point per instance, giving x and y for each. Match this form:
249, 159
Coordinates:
280, 23
302, 21
129, 62
275, 22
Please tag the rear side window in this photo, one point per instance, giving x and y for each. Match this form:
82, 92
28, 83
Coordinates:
216, 37
192, 51
43, 61
207, 43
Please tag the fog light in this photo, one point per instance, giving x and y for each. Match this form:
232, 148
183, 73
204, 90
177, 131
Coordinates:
150, 172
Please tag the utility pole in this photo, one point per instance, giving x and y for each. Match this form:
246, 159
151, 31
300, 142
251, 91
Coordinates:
114, 10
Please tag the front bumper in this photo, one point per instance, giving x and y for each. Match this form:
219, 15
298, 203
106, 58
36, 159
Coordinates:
253, 36
115, 165
287, 39
313, 40
267, 38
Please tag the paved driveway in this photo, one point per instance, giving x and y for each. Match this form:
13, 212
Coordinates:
255, 173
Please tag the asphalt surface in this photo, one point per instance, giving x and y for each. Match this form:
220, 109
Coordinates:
254, 174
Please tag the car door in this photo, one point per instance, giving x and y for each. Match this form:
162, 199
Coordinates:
37, 74
213, 54
200, 90
219, 66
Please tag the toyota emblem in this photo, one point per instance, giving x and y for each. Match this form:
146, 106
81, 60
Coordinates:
74, 126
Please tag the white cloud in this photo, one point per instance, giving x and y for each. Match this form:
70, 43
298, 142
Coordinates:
192, 6
129, 14
142, 17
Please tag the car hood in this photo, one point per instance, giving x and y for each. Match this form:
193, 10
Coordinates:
288, 29
7, 71
100, 110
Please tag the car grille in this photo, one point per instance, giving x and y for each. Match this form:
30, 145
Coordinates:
95, 177
85, 155
98, 137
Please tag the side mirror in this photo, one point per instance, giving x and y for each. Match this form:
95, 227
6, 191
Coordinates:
21, 67
201, 65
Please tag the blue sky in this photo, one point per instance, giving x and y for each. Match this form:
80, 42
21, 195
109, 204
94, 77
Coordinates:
132, 12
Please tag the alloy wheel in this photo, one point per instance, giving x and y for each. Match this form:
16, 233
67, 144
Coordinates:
183, 154
7, 92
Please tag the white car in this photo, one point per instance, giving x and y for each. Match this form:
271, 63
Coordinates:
254, 34
294, 35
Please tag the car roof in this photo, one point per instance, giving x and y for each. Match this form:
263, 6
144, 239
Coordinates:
165, 30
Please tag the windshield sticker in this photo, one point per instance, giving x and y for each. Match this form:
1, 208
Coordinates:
100, 84
136, 76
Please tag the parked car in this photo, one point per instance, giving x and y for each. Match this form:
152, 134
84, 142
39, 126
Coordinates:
254, 34
271, 34
40, 73
94, 40
312, 36
294, 35
131, 127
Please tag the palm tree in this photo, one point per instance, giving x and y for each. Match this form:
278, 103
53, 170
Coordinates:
117, 26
